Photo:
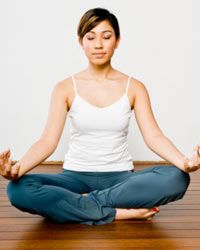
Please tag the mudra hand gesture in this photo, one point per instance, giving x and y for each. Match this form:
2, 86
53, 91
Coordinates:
10, 171
193, 164
7, 170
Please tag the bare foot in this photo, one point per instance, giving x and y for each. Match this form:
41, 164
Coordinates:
85, 194
136, 213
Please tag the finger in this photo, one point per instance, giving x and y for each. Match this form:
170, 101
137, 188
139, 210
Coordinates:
196, 158
15, 170
198, 150
3, 156
193, 169
191, 164
7, 169
186, 161
195, 150
6, 152
188, 164
10, 161
7, 155
194, 161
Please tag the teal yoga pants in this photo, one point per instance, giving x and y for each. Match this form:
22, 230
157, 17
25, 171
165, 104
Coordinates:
58, 197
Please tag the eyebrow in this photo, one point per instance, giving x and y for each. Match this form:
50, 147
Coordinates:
102, 31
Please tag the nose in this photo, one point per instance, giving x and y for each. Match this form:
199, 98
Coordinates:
98, 43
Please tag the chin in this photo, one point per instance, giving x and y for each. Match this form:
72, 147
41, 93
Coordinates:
99, 62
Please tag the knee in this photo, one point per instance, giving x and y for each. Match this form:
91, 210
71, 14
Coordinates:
179, 180
12, 192
17, 190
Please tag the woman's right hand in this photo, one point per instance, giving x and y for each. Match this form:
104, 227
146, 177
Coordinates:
6, 169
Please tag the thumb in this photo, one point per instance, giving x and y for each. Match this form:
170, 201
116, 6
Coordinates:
15, 169
188, 162
16, 165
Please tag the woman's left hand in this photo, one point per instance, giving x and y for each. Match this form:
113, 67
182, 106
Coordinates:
193, 164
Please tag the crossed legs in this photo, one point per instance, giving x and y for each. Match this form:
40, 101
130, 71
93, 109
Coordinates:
59, 196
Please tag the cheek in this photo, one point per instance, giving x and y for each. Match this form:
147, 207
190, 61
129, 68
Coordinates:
87, 48
111, 47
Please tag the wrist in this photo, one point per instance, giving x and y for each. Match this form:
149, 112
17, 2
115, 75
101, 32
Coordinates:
182, 165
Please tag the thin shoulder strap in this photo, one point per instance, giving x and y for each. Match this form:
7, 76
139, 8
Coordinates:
127, 85
74, 83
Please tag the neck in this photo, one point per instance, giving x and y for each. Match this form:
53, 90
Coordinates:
99, 72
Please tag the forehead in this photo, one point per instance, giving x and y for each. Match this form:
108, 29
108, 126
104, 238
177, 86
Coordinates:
102, 27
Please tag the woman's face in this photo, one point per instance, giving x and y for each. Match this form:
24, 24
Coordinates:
100, 43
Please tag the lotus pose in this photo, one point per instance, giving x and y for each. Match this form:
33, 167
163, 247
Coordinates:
98, 183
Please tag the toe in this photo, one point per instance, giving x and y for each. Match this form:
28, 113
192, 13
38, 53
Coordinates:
155, 209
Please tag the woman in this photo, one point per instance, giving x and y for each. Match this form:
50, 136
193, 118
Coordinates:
98, 183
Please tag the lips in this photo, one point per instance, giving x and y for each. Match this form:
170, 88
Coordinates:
98, 54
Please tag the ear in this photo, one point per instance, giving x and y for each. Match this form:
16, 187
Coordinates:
117, 42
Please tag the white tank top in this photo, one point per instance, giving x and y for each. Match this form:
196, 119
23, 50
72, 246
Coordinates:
98, 141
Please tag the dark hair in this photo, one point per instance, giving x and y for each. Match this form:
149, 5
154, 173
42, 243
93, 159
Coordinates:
93, 17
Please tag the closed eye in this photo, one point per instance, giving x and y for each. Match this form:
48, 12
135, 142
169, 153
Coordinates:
91, 38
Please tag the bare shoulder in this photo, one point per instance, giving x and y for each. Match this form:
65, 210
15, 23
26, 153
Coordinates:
64, 87
63, 90
137, 85
64, 84
136, 88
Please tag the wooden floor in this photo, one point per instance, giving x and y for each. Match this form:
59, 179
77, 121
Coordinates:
177, 226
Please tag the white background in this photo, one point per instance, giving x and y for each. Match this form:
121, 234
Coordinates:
160, 46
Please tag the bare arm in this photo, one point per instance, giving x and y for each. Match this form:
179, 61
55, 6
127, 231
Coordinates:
48, 141
50, 137
37, 153
163, 147
152, 134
